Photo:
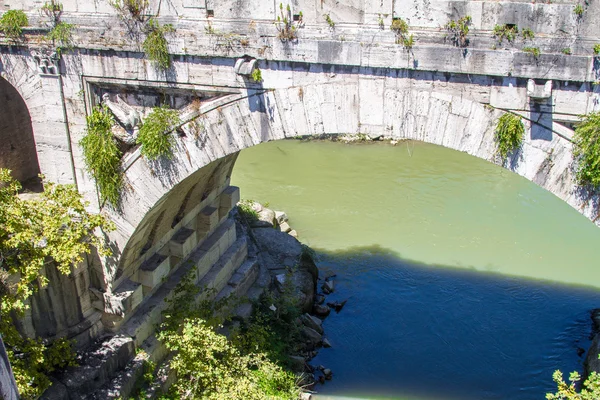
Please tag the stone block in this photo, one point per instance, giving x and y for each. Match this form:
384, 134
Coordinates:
124, 299
228, 200
208, 218
183, 242
153, 270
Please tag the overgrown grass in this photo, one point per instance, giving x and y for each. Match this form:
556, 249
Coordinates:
154, 136
101, 154
586, 150
155, 45
131, 8
12, 23
509, 134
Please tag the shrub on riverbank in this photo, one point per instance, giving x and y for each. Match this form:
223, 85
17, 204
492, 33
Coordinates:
210, 366
586, 150
568, 391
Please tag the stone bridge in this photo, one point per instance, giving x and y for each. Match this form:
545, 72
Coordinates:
352, 78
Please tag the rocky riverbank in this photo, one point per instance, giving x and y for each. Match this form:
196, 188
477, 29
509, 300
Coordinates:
288, 264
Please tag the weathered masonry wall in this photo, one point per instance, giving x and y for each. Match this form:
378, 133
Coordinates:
351, 78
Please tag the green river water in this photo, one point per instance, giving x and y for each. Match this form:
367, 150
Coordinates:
464, 280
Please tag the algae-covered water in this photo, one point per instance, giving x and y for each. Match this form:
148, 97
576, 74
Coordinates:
464, 280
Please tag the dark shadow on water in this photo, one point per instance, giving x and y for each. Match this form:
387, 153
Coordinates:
418, 331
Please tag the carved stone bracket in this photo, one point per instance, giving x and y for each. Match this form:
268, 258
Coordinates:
47, 61
244, 66
539, 93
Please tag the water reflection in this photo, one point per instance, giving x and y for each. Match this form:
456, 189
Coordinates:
412, 331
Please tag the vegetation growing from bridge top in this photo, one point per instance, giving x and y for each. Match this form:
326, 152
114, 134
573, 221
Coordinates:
286, 27
154, 137
54, 228
130, 8
534, 51
509, 134
61, 33
458, 31
155, 45
12, 23
568, 391
586, 150
506, 31
400, 28
527, 33
102, 156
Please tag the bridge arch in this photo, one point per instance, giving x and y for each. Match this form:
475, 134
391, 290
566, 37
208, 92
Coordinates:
18, 151
159, 193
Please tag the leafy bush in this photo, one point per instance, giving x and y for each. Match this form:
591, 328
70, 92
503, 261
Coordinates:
527, 33
589, 391
578, 10
509, 134
208, 365
597, 49
400, 28
62, 33
56, 227
534, 51
458, 31
256, 75
586, 150
12, 23
155, 45
101, 154
508, 32
154, 136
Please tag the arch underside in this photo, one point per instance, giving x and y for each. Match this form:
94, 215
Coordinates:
212, 141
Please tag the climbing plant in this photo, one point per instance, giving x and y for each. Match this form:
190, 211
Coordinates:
509, 134
586, 150
155, 45
101, 154
52, 228
12, 23
458, 31
154, 136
